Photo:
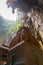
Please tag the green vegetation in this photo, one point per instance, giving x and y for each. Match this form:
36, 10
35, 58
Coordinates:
8, 27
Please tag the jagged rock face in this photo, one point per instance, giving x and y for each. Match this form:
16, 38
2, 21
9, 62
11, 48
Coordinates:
36, 16
24, 5
21, 4
37, 22
40, 1
34, 20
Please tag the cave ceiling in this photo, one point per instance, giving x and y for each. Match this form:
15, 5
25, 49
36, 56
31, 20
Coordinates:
25, 5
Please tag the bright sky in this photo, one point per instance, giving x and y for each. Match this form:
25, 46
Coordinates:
7, 12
